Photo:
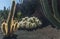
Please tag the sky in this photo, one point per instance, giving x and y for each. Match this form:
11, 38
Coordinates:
6, 3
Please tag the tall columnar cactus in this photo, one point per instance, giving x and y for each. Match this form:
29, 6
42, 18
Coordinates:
10, 19
7, 26
55, 17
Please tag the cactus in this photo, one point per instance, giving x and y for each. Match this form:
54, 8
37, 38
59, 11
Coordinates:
4, 28
29, 23
10, 26
8, 29
55, 18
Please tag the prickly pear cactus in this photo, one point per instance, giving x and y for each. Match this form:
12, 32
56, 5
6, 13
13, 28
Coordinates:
55, 17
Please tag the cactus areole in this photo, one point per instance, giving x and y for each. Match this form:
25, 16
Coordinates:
53, 18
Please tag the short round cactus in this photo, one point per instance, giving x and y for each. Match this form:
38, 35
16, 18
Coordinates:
29, 22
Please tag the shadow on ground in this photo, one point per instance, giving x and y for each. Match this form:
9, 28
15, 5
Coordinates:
14, 36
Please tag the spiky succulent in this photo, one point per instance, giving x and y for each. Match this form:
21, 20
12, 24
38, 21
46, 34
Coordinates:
51, 13
4, 28
25, 23
29, 22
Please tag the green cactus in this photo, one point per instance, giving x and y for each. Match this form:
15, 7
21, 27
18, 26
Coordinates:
56, 13
55, 18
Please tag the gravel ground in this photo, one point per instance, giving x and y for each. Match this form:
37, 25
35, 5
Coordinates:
44, 33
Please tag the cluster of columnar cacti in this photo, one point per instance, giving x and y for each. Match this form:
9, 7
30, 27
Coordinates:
13, 27
29, 22
55, 17
7, 27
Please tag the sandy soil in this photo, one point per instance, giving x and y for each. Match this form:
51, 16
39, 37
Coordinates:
44, 33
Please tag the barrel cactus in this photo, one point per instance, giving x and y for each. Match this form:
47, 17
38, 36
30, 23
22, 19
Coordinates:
53, 18
29, 22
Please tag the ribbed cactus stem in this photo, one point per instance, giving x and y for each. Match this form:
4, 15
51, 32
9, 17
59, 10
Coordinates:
11, 16
55, 10
47, 12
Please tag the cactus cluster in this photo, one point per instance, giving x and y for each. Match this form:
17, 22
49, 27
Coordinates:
29, 22
13, 27
9, 25
25, 23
